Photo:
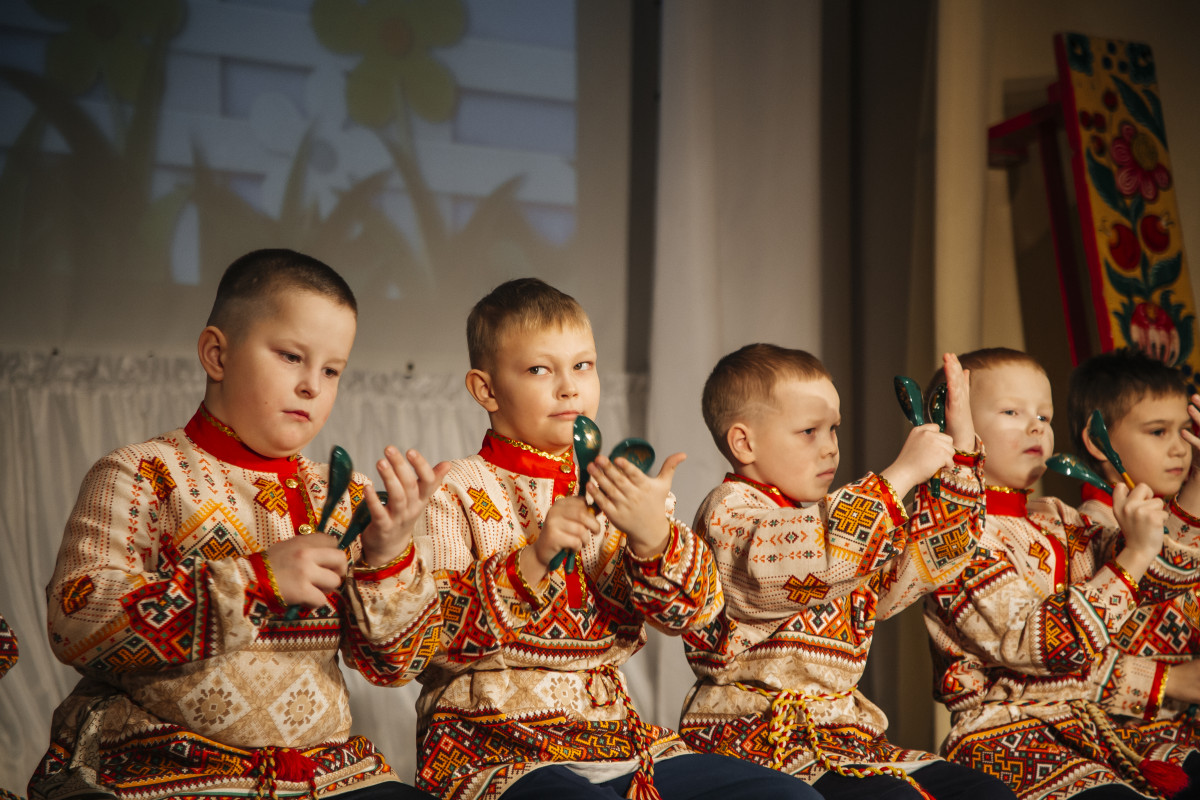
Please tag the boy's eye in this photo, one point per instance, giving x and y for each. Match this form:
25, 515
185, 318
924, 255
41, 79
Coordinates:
330, 372
582, 365
539, 370
808, 431
291, 358
1010, 412
1043, 418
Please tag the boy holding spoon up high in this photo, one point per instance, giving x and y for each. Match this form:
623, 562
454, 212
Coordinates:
183, 554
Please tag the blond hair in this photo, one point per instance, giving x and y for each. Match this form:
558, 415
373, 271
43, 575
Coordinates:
523, 305
747, 378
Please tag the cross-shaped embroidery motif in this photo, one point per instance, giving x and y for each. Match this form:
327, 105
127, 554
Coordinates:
483, 506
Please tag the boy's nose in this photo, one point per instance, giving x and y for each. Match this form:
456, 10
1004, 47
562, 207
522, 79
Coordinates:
310, 385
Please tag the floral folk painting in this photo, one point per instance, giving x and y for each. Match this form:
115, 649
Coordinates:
1126, 195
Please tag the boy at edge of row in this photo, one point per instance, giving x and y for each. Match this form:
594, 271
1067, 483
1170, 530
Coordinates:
527, 699
183, 554
807, 572
1017, 639
1152, 673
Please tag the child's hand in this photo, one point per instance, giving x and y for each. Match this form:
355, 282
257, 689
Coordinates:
568, 526
1141, 516
635, 502
959, 424
1183, 682
409, 485
925, 451
307, 568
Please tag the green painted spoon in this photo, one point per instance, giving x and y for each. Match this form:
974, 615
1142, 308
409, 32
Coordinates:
359, 522
341, 469
1070, 466
908, 392
1099, 433
937, 407
636, 451
587, 446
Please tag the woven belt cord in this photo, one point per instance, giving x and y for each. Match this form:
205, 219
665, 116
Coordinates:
789, 713
642, 787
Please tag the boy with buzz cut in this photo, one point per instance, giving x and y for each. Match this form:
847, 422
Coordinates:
807, 572
184, 553
527, 699
1151, 672
1019, 638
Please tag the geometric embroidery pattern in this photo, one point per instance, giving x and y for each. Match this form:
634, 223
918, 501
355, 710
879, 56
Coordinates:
271, 496
855, 518
155, 471
75, 594
803, 592
483, 507
1042, 554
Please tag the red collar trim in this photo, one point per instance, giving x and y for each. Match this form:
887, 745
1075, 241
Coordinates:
219, 439
1089, 492
781, 499
523, 459
1007, 502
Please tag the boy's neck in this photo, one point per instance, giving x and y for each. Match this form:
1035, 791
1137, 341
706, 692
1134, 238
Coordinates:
215, 437
770, 491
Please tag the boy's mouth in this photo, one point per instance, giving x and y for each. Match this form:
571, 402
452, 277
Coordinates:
1036, 450
298, 414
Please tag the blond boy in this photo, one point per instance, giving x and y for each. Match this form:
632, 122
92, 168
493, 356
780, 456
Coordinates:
528, 700
184, 553
807, 572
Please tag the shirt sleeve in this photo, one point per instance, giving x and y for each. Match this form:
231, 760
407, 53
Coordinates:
121, 598
393, 620
677, 590
1130, 686
996, 614
942, 533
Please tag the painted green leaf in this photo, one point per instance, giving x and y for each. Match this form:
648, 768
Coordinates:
1164, 273
1125, 285
1140, 111
1105, 182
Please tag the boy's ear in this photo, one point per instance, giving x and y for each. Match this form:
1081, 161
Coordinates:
740, 441
211, 348
1095, 451
479, 384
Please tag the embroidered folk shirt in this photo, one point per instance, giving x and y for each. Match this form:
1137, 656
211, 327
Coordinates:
1131, 680
160, 599
804, 587
1018, 636
524, 678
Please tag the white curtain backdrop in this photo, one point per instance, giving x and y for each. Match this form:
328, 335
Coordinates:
61, 413
738, 223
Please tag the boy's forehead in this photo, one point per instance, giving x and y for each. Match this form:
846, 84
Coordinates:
1014, 379
1149, 406
806, 390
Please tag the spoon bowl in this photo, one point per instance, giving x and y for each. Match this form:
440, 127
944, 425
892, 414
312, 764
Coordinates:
586, 434
908, 392
636, 451
1070, 466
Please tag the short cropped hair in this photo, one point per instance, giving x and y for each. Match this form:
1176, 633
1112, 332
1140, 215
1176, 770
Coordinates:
983, 358
747, 378
252, 283
1114, 383
524, 305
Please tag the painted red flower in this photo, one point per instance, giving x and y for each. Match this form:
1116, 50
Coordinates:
1138, 168
1154, 333
1123, 246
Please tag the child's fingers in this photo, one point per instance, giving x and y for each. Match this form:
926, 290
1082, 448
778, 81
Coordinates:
1191, 439
669, 466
